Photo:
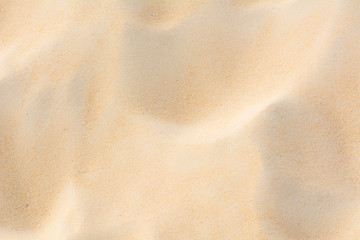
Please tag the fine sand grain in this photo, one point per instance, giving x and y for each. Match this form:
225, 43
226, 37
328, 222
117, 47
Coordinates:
179, 119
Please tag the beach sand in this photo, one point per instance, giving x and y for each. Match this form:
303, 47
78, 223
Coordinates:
179, 119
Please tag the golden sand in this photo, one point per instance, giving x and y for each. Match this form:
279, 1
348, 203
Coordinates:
179, 119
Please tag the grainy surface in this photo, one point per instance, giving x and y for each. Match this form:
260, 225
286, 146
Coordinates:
164, 120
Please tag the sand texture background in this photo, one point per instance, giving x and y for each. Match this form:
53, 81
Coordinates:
179, 119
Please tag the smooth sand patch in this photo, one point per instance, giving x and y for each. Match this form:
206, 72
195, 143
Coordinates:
156, 120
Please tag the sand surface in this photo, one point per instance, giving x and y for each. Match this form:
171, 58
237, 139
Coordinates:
179, 119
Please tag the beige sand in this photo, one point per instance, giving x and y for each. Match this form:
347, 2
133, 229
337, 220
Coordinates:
179, 119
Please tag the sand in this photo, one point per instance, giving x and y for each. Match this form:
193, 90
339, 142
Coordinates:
179, 119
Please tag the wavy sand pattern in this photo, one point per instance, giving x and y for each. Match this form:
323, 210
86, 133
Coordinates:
179, 119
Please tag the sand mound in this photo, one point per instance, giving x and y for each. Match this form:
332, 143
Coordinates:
185, 119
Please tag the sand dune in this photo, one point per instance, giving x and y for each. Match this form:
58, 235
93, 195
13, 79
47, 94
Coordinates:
164, 119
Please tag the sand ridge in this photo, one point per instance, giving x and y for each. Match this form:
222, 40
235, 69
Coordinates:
185, 119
